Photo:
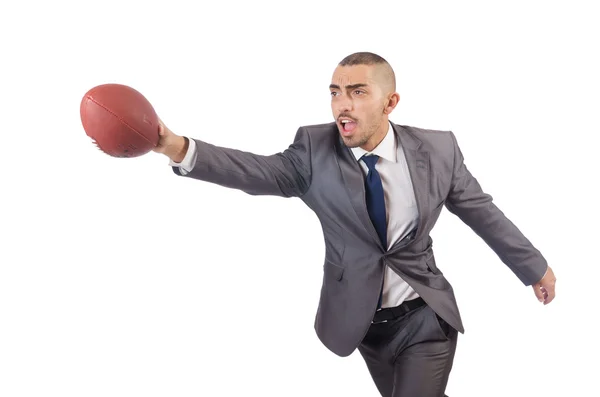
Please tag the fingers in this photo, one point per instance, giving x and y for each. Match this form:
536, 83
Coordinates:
549, 292
545, 292
159, 148
539, 293
163, 130
545, 288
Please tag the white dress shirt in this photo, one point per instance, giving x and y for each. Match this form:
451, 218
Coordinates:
400, 204
400, 208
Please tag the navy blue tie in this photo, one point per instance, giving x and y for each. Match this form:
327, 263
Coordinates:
376, 202
375, 198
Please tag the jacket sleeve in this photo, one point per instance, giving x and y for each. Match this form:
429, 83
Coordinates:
285, 174
476, 209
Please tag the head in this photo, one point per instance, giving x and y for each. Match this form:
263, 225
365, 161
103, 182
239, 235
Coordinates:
363, 94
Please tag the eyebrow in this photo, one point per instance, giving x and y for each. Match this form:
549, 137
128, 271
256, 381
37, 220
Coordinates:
348, 87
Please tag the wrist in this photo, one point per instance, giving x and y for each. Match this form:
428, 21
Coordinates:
178, 150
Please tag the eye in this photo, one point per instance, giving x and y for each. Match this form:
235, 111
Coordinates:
333, 93
359, 92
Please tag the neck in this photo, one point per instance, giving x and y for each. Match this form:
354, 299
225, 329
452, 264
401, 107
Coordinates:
377, 137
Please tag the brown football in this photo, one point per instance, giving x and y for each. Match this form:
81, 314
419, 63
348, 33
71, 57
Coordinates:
120, 120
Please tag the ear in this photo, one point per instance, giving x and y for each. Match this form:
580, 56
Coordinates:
391, 103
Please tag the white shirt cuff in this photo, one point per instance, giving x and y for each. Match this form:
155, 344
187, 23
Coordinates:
188, 162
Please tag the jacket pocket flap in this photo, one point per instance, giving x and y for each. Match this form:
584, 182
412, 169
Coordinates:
333, 270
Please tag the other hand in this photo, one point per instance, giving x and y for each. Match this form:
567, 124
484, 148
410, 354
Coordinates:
544, 289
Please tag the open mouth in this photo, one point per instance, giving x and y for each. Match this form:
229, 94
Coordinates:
348, 125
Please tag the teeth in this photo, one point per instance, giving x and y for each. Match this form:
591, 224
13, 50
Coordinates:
345, 121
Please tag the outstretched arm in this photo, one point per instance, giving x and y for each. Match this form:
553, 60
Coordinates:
286, 174
475, 208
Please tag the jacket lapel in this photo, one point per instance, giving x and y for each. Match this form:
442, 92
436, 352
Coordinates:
418, 167
354, 182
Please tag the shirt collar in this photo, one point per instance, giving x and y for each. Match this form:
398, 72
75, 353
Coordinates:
386, 148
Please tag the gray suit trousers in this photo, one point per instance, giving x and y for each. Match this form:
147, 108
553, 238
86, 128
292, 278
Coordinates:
411, 355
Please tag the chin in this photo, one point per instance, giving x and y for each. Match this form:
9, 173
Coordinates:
350, 142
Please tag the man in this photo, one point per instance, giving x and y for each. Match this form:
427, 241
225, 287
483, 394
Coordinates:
378, 189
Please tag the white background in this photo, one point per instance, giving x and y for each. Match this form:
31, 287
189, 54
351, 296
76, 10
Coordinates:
118, 278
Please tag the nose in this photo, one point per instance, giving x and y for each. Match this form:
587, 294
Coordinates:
344, 104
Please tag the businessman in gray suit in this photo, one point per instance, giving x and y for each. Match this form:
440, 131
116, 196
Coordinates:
378, 189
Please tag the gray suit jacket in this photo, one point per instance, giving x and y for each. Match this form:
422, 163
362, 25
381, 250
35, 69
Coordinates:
320, 170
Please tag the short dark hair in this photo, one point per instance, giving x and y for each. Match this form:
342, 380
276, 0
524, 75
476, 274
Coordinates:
362, 58
369, 58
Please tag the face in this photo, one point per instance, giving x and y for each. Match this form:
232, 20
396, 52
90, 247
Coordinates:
361, 105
